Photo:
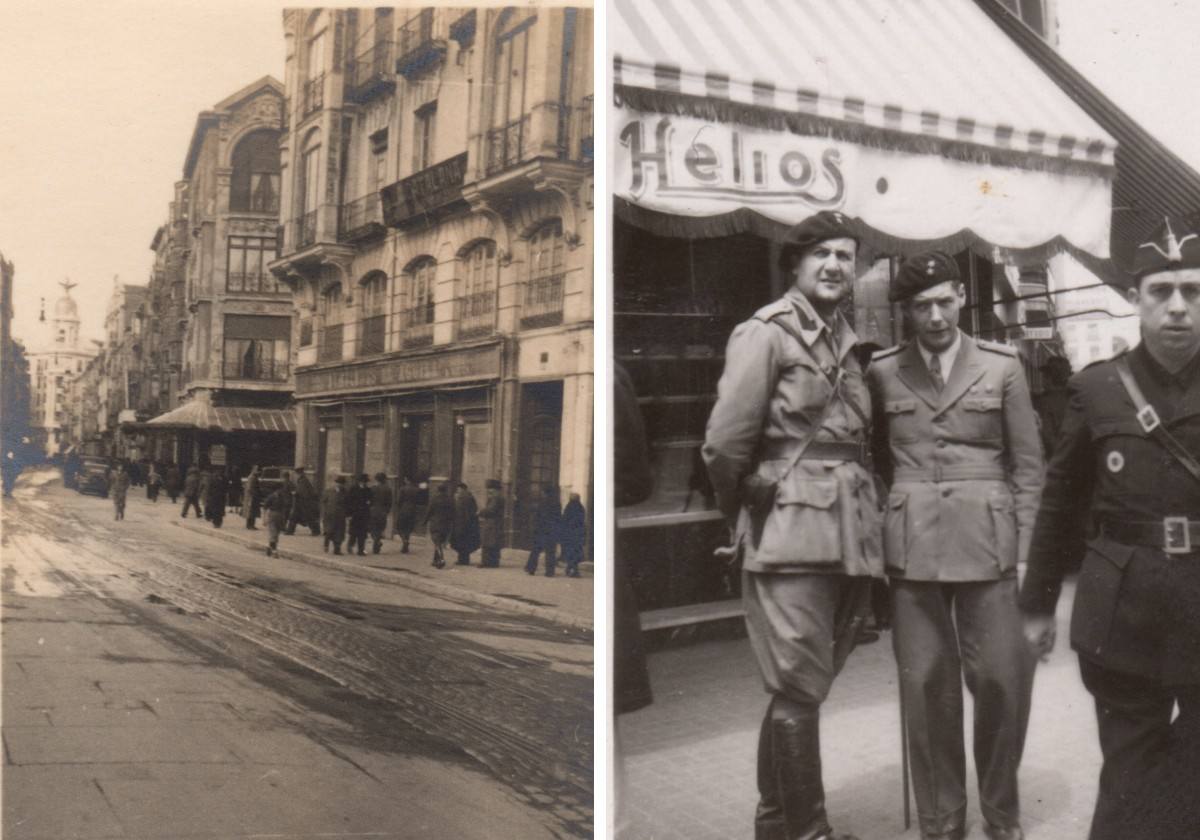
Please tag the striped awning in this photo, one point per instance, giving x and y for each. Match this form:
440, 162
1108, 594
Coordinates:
198, 415
1025, 171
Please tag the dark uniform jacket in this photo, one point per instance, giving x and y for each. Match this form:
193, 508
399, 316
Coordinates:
1137, 609
780, 369
964, 465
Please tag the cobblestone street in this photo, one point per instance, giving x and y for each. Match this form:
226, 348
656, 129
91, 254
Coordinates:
690, 756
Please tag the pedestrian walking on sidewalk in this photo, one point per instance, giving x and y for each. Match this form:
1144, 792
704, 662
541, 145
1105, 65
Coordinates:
305, 510
251, 504
358, 509
191, 492
464, 532
153, 482
333, 514
785, 447
573, 534
277, 505
956, 439
118, 488
205, 483
439, 519
171, 482
1121, 503
491, 525
381, 506
547, 518
406, 512
215, 498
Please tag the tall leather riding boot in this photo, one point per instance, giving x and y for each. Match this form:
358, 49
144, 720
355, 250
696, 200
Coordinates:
796, 744
768, 817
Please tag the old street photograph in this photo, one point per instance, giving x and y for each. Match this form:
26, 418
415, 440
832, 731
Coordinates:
905, 367
297, 421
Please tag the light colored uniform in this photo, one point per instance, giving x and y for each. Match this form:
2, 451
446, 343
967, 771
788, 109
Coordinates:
777, 387
966, 473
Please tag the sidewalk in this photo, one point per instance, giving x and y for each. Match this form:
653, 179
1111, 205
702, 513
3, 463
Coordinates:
689, 757
559, 599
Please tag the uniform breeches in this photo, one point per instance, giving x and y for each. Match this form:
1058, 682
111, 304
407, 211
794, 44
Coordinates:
1151, 762
943, 633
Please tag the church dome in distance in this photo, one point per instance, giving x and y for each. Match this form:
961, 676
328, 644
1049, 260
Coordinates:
65, 308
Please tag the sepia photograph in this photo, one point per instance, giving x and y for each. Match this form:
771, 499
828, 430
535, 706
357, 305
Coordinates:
905, 382
297, 420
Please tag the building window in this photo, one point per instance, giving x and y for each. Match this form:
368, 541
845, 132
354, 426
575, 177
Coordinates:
477, 306
508, 133
246, 270
254, 184
329, 347
419, 280
308, 191
424, 136
378, 173
543, 300
373, 327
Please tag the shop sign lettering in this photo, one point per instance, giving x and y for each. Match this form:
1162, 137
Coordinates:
481, 363
684, 157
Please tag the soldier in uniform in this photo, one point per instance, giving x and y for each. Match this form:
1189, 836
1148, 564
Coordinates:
1123, 495
786, 449
956, 437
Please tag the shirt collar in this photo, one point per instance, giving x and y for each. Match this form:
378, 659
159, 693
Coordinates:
811, 324
947, 356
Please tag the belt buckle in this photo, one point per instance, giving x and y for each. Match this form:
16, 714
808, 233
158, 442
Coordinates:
1176, 537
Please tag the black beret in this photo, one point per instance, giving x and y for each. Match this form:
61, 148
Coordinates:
493, 484
827, 224
1174, 245
922, 271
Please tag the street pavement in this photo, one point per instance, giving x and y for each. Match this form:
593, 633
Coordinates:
689, 758
160, 682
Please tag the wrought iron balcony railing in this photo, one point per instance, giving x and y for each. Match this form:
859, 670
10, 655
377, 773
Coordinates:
257, 371
418, 50
543, 303
506, 145
476, 314
361, 218
257, 282
371, 72
314, 95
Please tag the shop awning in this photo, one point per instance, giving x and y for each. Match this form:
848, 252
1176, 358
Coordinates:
197, 415
920, 118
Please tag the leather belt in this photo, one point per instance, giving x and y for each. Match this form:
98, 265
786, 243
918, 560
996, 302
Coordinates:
1173, 534
951, 472
824, 450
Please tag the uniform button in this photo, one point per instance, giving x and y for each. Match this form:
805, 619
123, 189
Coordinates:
946, 492
941, 443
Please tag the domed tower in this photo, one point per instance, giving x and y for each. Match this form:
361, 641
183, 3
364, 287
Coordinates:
65, 326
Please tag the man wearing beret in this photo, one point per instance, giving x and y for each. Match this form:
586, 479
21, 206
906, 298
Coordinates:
956, 438
786, 448
1123, 496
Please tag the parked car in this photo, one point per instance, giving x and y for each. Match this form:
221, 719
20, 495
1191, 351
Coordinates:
92, 476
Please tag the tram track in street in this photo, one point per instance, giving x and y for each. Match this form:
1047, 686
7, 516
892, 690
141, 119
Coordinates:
488, 704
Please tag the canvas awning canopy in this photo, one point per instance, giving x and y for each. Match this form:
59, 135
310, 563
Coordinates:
198, 415
919, 118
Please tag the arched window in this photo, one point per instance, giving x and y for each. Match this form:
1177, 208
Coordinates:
329, 347
254, 184
419, 280
477, 306
314, 66
372, 333
509, 130
543, 302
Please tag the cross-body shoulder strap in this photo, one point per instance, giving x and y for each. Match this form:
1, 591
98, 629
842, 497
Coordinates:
1151, 423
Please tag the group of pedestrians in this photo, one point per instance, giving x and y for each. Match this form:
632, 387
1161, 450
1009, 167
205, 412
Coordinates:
209, 487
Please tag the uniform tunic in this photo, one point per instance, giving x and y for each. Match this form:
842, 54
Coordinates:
965, 469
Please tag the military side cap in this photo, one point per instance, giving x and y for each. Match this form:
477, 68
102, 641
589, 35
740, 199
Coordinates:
922, 271
1174, 245
827, 224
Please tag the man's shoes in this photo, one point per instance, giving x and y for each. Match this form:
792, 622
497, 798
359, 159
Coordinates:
866, 637
957, 833
997, 832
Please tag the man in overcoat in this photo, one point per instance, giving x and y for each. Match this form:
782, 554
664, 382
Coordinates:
381, 506
1123, 497
787, 449
191, 492
491, 525
333, 514
305, 506
358, 508
956, 437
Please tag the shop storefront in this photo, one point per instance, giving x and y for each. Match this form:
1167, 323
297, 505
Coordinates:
717, 152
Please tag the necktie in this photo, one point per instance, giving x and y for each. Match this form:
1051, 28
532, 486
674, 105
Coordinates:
935, 372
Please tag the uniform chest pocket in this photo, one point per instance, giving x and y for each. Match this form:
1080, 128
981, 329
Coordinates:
901, 419
982, 416
803, 387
